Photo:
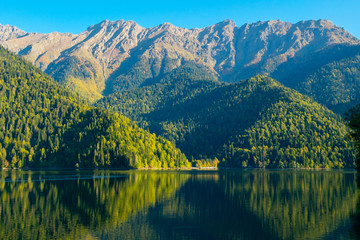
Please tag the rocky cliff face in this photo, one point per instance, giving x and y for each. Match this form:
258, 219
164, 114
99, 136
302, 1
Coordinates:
115, 55
263, 46
9, 32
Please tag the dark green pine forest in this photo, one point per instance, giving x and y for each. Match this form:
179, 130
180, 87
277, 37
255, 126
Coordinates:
257, 122
330, 77
352, 118
44, 125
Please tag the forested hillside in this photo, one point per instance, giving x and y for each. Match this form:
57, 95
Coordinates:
254, 123
352, 118
44, 125
335, 85
331, 77
179, 86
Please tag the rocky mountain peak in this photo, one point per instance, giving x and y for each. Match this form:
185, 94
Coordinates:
225, 23
108, 25
320, 23
164, 28
9, 32
166, 25
122, 54
226, 27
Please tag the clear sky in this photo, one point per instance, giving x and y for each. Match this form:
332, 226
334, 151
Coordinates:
76, 15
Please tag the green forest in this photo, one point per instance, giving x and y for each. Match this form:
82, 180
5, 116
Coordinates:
352, 118
330, 77
257, 122
335, 85
179, 86
45, 125
254, 123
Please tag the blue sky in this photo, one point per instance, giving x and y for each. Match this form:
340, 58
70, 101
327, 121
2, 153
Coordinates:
76, 15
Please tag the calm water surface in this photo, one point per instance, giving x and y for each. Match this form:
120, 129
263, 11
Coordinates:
179, 205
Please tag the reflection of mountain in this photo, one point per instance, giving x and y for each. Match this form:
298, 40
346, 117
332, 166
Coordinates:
180, 205
356, 218
251, 205
70, 209
301, 205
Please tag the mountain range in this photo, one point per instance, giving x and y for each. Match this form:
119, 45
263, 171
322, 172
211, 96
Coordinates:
116, 55
265, 94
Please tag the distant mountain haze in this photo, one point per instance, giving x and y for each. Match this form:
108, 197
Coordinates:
116, 55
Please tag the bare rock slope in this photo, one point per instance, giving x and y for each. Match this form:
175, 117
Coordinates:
115, 55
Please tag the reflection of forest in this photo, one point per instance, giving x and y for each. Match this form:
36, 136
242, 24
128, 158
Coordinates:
74, 208
356, 219
182, 205
300, 205
251, 205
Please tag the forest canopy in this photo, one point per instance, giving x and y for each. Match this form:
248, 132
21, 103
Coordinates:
45, 125
254, 123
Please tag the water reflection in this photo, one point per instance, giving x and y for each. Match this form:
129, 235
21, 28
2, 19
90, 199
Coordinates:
355, 233
76, 208
297, 204
255, 205
179, 205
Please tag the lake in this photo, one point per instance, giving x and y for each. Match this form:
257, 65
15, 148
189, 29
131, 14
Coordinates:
253, 204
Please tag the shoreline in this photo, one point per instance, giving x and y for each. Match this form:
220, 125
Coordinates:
178, 169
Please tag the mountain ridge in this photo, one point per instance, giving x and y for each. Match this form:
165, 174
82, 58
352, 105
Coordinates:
123, 55
243, 123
